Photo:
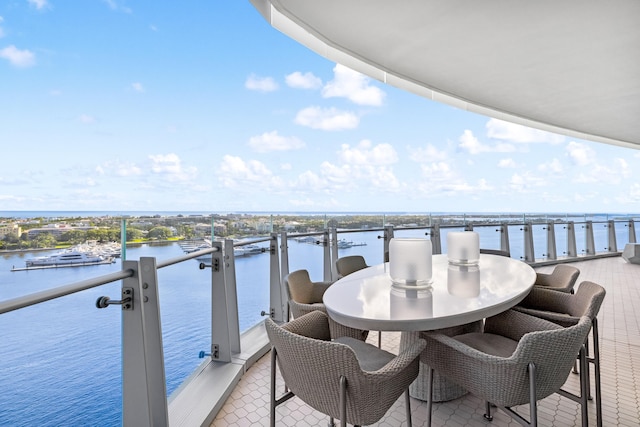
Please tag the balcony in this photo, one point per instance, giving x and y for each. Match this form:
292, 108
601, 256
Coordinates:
230, 386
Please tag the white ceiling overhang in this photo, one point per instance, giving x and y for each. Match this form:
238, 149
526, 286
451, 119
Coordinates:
568, 66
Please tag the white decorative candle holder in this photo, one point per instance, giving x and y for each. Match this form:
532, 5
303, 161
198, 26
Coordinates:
463, 247
410, 263
463, 281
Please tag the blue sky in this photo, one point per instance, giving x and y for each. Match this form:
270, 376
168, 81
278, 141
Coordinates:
202, 106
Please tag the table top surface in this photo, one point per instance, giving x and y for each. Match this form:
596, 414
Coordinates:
366, 299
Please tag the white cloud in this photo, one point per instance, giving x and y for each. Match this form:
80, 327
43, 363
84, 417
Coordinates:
554, 166
303, 81
365, 153
580, 154
113, 5
261, 84
1, 30
39, 4
327, 119
87, 119
153, 27
272, 141
286, 166
119, 169
170, 166
525, 182
137, 87
353, 86
18, 58
507, 163
472, 144
235, 173
427, 154
610, 175
499, 129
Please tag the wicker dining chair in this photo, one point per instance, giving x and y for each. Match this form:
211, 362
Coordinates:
498, 252
562, 278
305, 296
350, 264
346, 379
518, 359
566, 310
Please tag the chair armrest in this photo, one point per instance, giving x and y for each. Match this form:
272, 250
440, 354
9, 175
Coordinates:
557, 318
514, 324
299, 309
547, 300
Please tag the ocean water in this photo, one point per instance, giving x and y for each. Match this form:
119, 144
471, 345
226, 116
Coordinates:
60, 361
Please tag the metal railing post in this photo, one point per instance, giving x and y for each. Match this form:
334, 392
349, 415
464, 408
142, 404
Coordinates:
632, 231
230, 283
388, 235
144, 392
551, 241
436, 242
572, 252
590, 242
334, 253
529, 253
613, 243
220, 339
278, 268
326, 260
504, 238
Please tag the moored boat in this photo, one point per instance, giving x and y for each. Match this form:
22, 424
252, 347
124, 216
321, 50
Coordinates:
66, 258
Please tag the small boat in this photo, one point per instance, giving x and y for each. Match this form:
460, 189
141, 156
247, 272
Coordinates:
247, 250
66, 258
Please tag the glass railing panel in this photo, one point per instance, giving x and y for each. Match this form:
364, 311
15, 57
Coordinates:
581, 238
560, 230
516, 241
356, 221
539, 231
622, 233
307, 253
252, 282
364, 243
601, 236
60, 361
489, 236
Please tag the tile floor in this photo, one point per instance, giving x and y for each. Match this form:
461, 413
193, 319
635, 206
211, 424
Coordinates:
619, 324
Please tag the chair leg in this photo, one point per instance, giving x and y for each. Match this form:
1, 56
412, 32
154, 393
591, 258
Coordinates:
407, 404
533, 404
596, 363
586, 355
487, 412
343, 401
273, 388
584, 384
429, 396
379, 339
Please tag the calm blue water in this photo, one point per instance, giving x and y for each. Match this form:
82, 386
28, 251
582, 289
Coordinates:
60, 362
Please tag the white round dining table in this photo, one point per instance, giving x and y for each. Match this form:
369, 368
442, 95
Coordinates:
367, 300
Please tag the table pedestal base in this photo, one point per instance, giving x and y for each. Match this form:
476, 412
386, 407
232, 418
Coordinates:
443, 388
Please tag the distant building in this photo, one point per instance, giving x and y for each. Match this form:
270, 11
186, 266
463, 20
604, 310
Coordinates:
56, 230
10, 229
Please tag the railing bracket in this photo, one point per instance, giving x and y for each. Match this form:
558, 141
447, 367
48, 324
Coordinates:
126, 302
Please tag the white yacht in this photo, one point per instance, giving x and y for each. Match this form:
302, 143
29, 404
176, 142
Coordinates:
66, 258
